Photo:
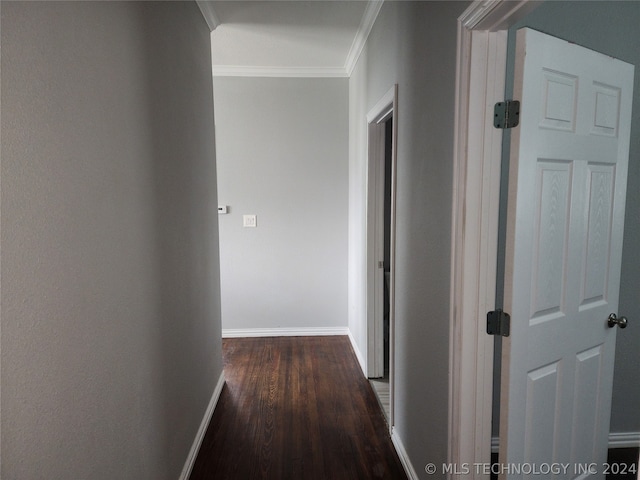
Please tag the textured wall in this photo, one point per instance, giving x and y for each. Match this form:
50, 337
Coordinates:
110, 308
282, 146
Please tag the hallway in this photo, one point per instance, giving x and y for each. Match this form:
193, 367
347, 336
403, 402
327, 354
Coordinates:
292, 408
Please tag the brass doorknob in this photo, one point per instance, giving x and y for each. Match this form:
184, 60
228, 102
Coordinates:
613, 320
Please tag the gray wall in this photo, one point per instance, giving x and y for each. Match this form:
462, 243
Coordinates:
282, 146
613, 28
110, 308
412, 44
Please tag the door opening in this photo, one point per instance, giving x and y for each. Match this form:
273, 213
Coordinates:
388, 152
381, 384
382, 131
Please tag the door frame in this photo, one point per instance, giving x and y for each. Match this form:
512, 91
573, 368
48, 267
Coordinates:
385, 108
480, 81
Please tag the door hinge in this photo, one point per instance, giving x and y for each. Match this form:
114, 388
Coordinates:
498, 323
506, 114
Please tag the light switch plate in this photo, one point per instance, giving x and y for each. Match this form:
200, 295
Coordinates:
249, 221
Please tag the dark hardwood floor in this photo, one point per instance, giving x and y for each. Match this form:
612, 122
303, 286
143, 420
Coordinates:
622, 464
296, 408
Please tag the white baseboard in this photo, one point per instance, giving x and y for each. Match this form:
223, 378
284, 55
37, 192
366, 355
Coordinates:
616, 440
624, 440
359, 356
193, 453
404, 458
283, 332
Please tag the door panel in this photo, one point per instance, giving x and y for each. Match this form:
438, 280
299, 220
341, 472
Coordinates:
596, 259
553, 195
564, 245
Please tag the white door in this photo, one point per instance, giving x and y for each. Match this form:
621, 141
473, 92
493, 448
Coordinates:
567, 188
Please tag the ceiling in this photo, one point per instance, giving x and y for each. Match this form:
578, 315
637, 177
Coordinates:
289, 38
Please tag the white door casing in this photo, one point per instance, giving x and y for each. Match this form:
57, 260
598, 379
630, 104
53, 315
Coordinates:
385, 109
565, 223
375, 248
480, 73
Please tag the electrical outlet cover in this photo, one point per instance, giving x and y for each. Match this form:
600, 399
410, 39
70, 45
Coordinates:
249, 221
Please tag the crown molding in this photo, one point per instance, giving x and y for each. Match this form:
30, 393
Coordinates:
493, 15
294, 72
209, 14
366, 24
360, 40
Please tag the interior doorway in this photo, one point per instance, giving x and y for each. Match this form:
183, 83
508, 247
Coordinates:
388, 153
380, 248
381, 384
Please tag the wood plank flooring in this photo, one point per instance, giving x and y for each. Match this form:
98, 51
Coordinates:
295, 408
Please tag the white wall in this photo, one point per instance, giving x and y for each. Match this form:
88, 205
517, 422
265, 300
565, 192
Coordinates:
282, 146
110, 275
412, 44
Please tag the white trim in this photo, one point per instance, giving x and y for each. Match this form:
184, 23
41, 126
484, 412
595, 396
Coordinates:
385, 108
474, 249
392, 259
195, 447
481, 64
360, 40
283, 332
209, 14
616, 440
499, 14
624, 439
359, 356
404, 457
278, 72
375, 248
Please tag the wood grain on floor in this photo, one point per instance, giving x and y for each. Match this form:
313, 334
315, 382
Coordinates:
296, 408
